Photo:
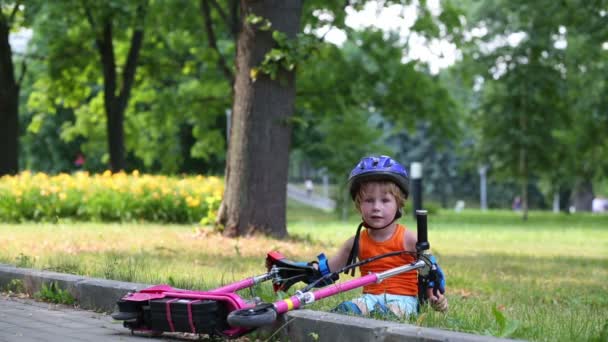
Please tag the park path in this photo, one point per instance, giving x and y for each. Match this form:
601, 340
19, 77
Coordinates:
314, 200
26, 320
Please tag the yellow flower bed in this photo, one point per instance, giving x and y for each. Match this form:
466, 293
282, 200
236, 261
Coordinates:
109, 197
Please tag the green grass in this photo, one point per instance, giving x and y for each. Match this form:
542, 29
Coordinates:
544, 279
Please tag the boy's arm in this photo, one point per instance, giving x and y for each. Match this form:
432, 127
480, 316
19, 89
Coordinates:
410, 240
339, 260
325, 266
309, 272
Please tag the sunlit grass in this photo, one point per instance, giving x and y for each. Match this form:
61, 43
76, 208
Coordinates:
545, 277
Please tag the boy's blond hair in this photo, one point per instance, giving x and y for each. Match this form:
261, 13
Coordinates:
386, 186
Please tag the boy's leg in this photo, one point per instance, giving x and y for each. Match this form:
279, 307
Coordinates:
402, 306
366, 303
359, 306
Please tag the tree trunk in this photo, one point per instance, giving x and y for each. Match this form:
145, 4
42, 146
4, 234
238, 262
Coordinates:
116, 103
582, 196
524, 169
116, 137
258, 150
565, 195
116, 95
9, 106
524, 184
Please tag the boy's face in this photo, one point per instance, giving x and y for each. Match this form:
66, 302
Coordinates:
378, 206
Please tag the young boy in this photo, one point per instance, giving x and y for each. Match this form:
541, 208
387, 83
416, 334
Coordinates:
379, 187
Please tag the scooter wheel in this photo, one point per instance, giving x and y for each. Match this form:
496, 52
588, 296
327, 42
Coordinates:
125, 316
260, 315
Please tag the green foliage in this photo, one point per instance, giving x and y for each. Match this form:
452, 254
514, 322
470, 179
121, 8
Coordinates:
43, 149
533, 109
260, 23
374, 96
178, 102
15, 286
287, 54
176, 113
181, 98
51, 292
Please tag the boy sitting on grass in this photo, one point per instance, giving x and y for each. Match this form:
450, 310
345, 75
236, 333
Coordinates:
379, 187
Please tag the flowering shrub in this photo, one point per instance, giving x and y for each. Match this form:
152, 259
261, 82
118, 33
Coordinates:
109, 197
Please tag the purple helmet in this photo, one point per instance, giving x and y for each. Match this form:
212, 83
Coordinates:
378, 168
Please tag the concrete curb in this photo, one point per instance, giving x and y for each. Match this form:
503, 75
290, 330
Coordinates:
297, 326
308, 325
91, 293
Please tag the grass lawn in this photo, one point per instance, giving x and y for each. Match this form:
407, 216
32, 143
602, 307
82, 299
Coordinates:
544, 279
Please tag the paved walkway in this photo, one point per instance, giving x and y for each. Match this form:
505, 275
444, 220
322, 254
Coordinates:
26, 320
313, 200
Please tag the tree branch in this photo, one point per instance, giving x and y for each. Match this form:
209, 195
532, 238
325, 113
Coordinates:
91, 20
108, 62
14, 12
105, 48
322, 38
212, 41
89, 15
223, 14
128, 76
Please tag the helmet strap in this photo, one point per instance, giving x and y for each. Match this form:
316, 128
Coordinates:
354, 251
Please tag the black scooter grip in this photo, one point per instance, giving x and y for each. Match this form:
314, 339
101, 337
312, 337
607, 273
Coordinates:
421, 223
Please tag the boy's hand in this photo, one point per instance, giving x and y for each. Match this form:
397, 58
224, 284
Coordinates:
436, 288
438, 301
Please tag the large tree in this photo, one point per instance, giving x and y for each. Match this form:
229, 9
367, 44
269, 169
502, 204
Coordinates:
183, 56
174, 120
523, 90
540, 100
9, 92
375, 97
584, 134
91, 63
256, 172
116, 84
258, 150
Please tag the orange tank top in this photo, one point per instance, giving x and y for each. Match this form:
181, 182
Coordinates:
405, 284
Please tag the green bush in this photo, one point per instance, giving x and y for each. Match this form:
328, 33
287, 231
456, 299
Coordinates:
109, 197
54, 294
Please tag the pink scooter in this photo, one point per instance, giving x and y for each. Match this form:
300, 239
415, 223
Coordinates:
222, 312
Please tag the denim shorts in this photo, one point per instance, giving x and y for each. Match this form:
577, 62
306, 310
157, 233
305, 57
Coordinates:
399, 305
